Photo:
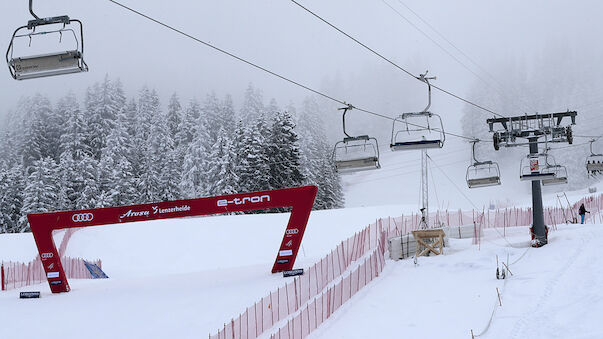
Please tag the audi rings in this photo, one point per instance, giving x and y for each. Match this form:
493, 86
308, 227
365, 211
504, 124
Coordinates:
81, 217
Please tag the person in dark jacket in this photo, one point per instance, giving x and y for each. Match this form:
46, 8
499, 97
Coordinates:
582, 211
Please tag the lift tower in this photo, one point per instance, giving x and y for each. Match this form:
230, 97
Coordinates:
531, 129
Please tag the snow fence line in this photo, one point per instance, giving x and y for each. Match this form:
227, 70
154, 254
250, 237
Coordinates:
281, 304
17, 274
306, 302
317, 311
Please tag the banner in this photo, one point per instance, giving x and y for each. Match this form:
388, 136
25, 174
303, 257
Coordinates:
301, 199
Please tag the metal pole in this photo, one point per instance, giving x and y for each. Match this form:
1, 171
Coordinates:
538, 227
424, 192
31, 9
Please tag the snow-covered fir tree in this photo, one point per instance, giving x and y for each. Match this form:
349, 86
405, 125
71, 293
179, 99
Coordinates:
253, 105
37, 142
108, 150
226, 117
254, 165
174, 117
103, 102
73, 127
194, 182
11, 198
283, 153
316, 156
146, 142
117, 182
222, 170
40, 194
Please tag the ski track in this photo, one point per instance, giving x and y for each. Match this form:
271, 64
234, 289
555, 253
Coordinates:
535, 316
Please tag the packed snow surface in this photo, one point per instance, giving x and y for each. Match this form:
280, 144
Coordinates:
553, 292
186, 281
184, 278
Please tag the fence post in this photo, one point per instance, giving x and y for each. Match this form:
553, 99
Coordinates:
2, 276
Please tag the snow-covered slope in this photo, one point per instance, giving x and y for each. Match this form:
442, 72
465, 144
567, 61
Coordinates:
553, 292
185, 278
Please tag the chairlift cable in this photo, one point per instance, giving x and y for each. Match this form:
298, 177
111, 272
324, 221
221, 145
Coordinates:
229, 53
391, 62
570, 146
411, 124
435, 190
397, 175
282, 77
596, 137
453, 183
498, 90
460, 191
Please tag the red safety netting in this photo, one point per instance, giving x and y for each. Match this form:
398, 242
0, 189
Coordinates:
17, 274
299, 307
287, 300
314, 313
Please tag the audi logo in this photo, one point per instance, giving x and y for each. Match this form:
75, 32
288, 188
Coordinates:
292, 231
82, 217
47, 255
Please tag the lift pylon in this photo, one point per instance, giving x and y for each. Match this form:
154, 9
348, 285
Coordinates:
532, 128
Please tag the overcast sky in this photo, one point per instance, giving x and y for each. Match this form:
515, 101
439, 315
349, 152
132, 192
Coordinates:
282, 37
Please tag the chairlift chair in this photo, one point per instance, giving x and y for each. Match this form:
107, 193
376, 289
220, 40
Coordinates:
415, 131
68, 61
532, 168
560, 175
354, 154
594, 162
482, 173
418, 130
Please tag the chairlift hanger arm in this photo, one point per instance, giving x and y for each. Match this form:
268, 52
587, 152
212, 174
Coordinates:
473, 150
31, 10
425, 79
63, 19
349, 107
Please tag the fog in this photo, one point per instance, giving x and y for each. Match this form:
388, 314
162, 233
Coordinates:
280, 36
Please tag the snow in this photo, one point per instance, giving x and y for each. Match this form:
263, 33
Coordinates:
551, 294
184, 278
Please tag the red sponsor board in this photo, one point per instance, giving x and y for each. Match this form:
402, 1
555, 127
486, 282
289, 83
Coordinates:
534, 165
301, 199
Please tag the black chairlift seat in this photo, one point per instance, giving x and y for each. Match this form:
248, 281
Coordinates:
414, 145
49, 64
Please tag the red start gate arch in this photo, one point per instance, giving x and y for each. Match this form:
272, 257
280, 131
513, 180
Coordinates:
301, 199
